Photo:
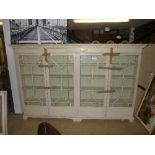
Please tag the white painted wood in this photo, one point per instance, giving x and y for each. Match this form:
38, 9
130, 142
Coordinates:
136, 83
19, 83
61, 110
3, 113
35, 110
11, 67
85, 47
77, 84
78, 111
119, 113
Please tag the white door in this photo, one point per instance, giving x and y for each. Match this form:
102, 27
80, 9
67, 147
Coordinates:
92, 86
33, 85
61, 82
122, 80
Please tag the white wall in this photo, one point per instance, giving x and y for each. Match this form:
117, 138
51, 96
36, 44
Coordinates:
11, 67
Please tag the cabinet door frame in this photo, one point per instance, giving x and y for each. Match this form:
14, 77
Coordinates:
93, 112
65, 111
124, 112
29, 110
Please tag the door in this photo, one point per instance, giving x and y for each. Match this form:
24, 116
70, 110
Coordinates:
122, 80
33, 85
61, 82
92, 86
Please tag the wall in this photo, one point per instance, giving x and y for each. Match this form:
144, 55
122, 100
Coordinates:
11, 67
147, 66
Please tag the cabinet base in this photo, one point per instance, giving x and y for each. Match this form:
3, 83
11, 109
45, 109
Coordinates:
131, 120
25, 117
77, 119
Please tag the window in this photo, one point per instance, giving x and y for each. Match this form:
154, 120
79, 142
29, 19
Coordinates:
30, 21
44, 22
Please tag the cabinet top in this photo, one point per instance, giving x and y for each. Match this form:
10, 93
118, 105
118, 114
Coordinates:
78, 46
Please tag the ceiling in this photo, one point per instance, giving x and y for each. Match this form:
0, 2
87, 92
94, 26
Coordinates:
127, 25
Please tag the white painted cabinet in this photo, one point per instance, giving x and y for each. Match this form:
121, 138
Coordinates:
78, 81
3, 112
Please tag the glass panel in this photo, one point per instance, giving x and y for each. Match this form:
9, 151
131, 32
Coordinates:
32, 77
1, 130
61, 79
92, 80
123, 81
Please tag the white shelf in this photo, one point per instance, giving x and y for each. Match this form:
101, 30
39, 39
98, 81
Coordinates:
54, 87
90, 76
122, 102
62, 102
124, 76
35, 101
102, 88
32, 75
92, 89
32, 64
92, 102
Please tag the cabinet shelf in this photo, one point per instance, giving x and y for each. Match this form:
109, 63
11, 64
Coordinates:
120, 88
61, 76
32, 75
96, 76
125, 76
123, 64
92, 64
53, 76
54, 87
120, 105
62, 102
91, 88
32, 64
113, 64
92, 102
63, 64
113, 76
120, 102
35, 101
102, 88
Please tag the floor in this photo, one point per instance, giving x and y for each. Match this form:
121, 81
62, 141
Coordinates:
18, 126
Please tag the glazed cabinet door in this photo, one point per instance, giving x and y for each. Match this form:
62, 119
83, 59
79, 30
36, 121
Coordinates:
32, 77
92, 85
61, 82
122, 81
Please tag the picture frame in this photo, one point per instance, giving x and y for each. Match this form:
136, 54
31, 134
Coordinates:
146, 111
38, 31
3, 112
